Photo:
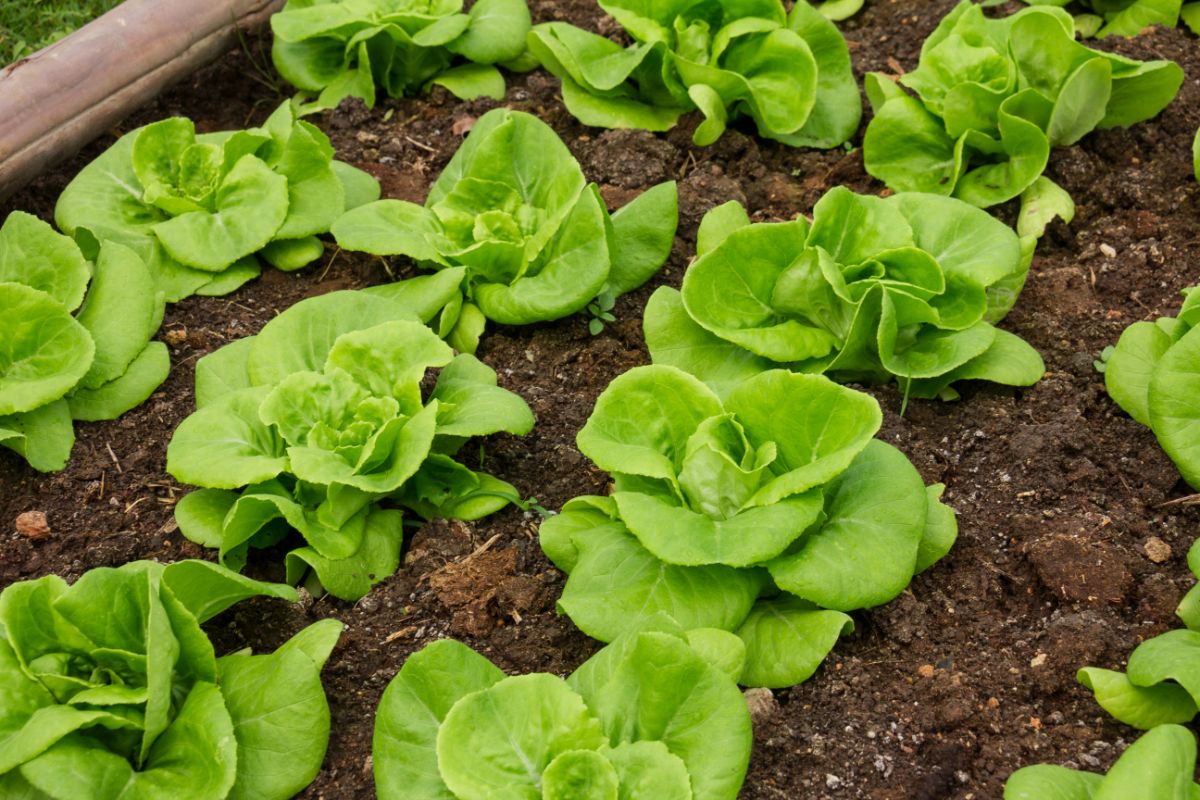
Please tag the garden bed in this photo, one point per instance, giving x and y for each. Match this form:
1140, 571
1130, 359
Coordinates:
1071, 550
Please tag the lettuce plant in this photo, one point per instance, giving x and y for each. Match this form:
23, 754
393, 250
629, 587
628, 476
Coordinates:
318, 420
112, 690
198, 208
904, 287
513, 208
994, 95
1154, 375
767, 515
345, 48
1161, 683
789, 72
1196, 156
1128, 17
75, 338
838, 10
646, 717
1159, 766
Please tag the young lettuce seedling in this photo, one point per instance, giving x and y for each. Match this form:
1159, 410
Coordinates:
768, 514
903, 288
348, 48
514, 211
76, 338
646, 717
199, 208
314, 423
112, 689
789, 72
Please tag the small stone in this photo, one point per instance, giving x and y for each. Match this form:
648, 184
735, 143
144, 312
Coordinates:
176, 337
1038, 660
366, 137
993, 702
33, 525
1157, 550
1108, 250
925, 670
832, 781
762, 705
462, 126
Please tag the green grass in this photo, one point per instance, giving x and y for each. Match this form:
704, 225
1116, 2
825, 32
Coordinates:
27, 26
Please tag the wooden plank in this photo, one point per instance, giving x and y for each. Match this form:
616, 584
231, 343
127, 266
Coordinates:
62, 97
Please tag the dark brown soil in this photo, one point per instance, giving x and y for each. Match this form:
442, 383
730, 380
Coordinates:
941, 694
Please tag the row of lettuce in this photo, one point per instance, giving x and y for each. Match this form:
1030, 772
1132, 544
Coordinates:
752, 507
135, 703
976, 120
200, 212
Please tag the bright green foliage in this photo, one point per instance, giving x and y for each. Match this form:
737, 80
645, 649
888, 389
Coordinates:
1154, 375
110, 690
1128, 17
74, 338
26, 28
513, 208
319, 418
904, 287
1158, 766
994, 95
646, 718
1190, 14
768, 514
838, 10
790, 73
197, 208
348, 48
1196, 156
1161, 683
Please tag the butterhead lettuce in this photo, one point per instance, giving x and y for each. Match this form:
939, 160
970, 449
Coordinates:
1158, 765
903, 288
787, 71
198, 209
993, 96
768, 514
348, 48
1129, 17
1153, 374
514, 211
75, 337
646, 717
112, 690
316, 422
